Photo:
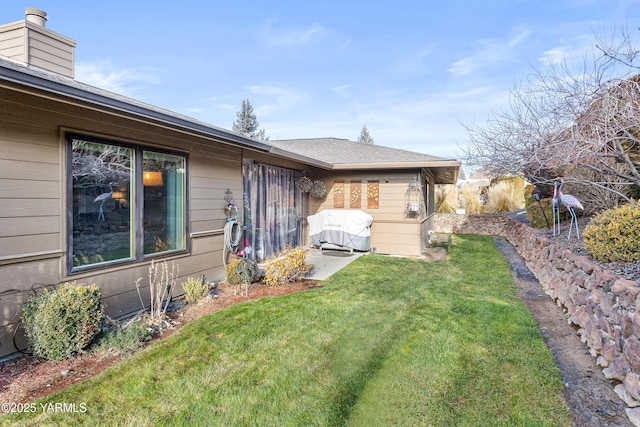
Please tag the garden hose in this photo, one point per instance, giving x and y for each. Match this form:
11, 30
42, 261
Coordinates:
232, 236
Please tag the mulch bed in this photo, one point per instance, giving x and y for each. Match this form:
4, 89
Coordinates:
25, 379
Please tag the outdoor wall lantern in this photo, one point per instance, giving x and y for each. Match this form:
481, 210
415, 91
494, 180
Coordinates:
413, 195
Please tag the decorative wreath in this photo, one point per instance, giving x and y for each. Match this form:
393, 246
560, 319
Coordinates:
305, 184
318, 190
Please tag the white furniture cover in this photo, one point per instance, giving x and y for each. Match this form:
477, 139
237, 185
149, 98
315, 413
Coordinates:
347, 228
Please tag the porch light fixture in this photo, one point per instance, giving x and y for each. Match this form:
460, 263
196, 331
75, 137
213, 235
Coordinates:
152, 179
414, 192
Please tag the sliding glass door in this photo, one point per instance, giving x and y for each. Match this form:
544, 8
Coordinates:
274, 209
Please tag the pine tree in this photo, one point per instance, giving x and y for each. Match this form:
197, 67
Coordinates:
247, 124
365, 138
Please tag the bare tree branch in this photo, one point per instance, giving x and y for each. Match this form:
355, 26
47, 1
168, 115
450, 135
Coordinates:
581, 122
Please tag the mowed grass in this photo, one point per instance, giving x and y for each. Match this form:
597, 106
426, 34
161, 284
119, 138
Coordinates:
387, 342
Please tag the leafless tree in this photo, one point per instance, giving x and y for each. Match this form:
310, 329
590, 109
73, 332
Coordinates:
583, 124
99, 164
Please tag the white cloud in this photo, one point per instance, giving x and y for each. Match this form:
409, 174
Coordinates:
274, 98
518, 38
427, 122
342, 90
490, 53
417, 63
463, 67
105, 75
556, 55
298, 36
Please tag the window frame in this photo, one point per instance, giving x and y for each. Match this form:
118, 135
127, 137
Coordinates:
137, 199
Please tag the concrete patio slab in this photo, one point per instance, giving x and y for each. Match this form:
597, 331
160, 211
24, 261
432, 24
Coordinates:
326, 263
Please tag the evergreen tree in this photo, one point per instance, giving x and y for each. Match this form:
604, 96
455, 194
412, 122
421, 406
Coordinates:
365, 138
247, 124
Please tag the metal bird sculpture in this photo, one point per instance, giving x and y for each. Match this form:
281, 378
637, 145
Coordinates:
570, 202
555, 206
103, 198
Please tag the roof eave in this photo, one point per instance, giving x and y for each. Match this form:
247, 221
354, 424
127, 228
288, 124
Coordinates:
444, 171
279, 152
399, 165
36, 82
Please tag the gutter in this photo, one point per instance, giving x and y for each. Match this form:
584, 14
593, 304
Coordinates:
43, 81
398, 165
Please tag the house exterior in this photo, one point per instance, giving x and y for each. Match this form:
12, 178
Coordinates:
95, 186
395, 187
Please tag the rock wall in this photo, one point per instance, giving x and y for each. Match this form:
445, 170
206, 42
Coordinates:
600, 303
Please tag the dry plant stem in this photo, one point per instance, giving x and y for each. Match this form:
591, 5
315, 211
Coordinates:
162, 279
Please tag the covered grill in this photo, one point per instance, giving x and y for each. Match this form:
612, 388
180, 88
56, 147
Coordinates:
340, 228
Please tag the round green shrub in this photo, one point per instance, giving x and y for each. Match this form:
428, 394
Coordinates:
195, 289
613, 235
61, 323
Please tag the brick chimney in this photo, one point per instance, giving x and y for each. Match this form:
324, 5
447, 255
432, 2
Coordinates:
30, 42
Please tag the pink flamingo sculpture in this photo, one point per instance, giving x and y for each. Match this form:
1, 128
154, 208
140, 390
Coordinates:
570, 202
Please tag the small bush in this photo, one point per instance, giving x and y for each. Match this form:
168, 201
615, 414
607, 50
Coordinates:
613, 235
125, 340
195, 289
286, 267
61, 323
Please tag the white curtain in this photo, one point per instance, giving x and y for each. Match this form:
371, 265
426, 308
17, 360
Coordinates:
274, 209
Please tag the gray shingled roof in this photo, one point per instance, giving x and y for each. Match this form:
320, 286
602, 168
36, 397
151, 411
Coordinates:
343, 151
345, 154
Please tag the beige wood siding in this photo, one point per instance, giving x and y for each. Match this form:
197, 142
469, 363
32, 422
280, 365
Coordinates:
39, 46
51, 53
392, 231
33, 233
210, 179
396, 238
12, 42
30, 190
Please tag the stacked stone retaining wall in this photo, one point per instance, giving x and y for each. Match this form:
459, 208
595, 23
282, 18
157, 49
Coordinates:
600, 303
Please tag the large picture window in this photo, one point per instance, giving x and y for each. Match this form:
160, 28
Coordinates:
163, 178
127, 202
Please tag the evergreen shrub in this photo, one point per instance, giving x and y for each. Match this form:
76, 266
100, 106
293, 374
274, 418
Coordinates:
61, 323
613, 235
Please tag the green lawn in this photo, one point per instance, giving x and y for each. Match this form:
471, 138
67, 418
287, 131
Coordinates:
386, 342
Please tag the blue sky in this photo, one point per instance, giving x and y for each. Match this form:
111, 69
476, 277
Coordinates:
413, 72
